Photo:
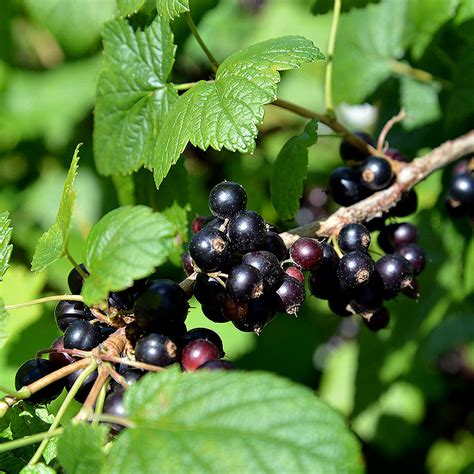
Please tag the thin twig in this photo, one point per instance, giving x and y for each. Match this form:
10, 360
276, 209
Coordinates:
387, 127
195, 32
29, 440
329, 65
46, 299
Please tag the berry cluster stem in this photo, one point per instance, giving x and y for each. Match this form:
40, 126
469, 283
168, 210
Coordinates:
329, 66
46, 299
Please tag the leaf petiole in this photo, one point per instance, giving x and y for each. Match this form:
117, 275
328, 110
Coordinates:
46, 299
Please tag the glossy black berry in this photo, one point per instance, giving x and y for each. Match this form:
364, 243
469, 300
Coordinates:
351, 153
267, 264
407, 205
307, 253
208, 291
198, 352
461, 191
324, 279
396, 273
227, 199
244, 283
209, 249
215, 223
368, 298
82, 335
163, 304
345, 186
130, 376
396, 235
339, 304
85, 387
247, 232
205, 334
187, 263
379, 320
415, 255
156, 349
68, 312
75, 280
290, 295
233, 310
217, 364
295, 272
113, 405
33, 370
259, 312
412, 291
58, 357
214, 314
376, 173
274, 244
376, 223
354, 237
355, 269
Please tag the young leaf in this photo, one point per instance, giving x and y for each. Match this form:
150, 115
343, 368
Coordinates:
3, 324
80, 448
5, 246
52, 244
172, 8
133, 94
323, 6
289, 172
129, 7
39, 468
125, 245
225, 113
230, 422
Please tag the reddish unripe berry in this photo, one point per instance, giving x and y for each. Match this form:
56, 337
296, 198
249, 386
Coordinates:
307, 253
295, 273
198, 352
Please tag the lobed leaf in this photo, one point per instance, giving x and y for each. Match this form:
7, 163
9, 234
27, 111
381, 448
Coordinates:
230, 422
289, 172
133, 94
5, 246
125, 245
38, 468
129, 7
52, 245
225, 113
172, 8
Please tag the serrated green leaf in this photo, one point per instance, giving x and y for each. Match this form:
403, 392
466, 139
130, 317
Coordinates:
225, 113
52, 245
80, 448
367, 42
289, 172
129, 7
5, 246
3, 324
133, 94
39, 468
172, 8
320, 7
230, 422
125, 245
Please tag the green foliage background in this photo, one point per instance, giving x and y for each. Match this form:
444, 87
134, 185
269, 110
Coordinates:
406, 391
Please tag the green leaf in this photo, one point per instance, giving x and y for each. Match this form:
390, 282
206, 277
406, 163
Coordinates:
80, 448
230, 422
125, 189
129, 7
125, 245
53, 244
5, 246
39, 468
225, 113
133, 94
3, 324
321, 7
367, 42
289, 172
172, 8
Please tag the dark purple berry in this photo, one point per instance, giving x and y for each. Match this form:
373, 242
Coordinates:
376, 223
378, 320
130, 376
214, 314
208, 291
355, 269
275, 245
217, 364
324, 279
290, 295
58, 357
415, 255
295, 272
267, 264
82, 335
156, 349
75, 280
33, 370
113, 405
354, 237
307, 253
368, 298
233, 310
205, 334
85, 387
199, 222
376, 173
351, 153
394, 154
244, 283
227, 199
396, 273
412, 291
396, 235
209, 249
68, 312
247, 232
339, 304
198, 352
461, 191
259, 313
187, 263
407, 205
345, 186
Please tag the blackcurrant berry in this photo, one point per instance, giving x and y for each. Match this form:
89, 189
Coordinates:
259, 313
75, 280
290, 295
82, 335
113, 405
33, 370
395, 155
415, 255
247, 232
307, 253
339, 304
199, 222
355, 269
233, 310
214, 314
121, 300
86, 386
412, 291
461, 191
205, 334
267, 264
407, 205
227, 199
324, 279
57, 357
349, 152
275, 245
368, 298
208, 291
295, 272
68, 312
187, 263
345, 186
198, 352
209, 249
217, 364
376, 173
244, 283
376, 223
163, 304
130, 376
156, 349
215, 223
354, 237
396, 235
396, 273
379, 320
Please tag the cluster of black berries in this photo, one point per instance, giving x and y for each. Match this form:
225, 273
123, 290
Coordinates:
460, 200
153, 313
239, 261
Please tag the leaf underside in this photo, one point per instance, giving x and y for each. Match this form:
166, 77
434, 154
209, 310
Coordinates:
5, 245
172, 8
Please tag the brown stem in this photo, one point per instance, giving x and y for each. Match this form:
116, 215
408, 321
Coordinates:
132, 363
88, 406
387, 127
408, 175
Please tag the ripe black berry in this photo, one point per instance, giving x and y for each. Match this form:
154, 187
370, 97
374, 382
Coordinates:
198, 352
376, 173
233, 310
208, 291
217, 364
33, 370
162, 305
407, 205
339, 304
345, 186
412, 291
267, 264
379, 320
205, 334
57, 357
355, 269
227, 199
214, 314
461, 191
396, 235
307, 253
209, 249
349, 152
82, 335
244, 283
368, 298
275, 245
396, 273
156, 349
187, 263
68, 312
247, 232
258, 314
415, 255
131, 376
199, 222
324, 279
354, 237
113, 405
86, 386
290, 295
75, 280
395, 155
